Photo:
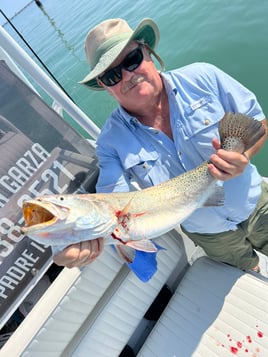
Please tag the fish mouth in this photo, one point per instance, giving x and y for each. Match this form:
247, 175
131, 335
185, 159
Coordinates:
39, 214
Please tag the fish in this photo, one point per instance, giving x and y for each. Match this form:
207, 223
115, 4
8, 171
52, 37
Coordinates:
130, 220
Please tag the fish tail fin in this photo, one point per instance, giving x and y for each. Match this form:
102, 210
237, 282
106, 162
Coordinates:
239, 132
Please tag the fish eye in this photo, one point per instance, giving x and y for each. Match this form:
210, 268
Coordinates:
61, 198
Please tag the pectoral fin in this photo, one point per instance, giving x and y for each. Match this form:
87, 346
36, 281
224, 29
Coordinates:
145, 245
126, 212
125, 252
216, 199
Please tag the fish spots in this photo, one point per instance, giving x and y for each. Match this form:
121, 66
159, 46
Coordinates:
247, 346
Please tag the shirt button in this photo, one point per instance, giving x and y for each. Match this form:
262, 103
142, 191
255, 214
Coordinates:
134, 121
156, 131
207, 121
179, 153
144, 166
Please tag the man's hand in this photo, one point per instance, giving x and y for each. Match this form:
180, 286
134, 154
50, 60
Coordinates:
79, 254
225, 165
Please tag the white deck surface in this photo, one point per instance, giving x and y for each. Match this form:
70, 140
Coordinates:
92, 313
217, 311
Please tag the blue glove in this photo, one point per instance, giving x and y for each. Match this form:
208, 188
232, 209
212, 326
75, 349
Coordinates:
144, 265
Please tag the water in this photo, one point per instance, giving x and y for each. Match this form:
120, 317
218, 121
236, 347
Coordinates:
232, 34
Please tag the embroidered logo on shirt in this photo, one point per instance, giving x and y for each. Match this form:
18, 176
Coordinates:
199, 103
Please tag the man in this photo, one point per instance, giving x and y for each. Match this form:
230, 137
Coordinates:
166, 124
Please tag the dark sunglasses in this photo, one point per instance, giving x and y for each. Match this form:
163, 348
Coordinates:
114, 75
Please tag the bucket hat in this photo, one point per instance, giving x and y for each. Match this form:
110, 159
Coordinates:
107, 40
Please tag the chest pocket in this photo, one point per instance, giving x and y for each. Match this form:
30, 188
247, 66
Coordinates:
140, 167
203, 115
199, 126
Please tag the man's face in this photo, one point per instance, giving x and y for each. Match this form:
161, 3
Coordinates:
137, 86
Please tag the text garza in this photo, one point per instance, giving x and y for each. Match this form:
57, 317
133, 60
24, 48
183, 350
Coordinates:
17, 176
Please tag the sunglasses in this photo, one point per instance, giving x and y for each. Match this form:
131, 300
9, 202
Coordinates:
114, 75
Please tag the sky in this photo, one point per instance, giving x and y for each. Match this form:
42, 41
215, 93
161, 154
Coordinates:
11, 7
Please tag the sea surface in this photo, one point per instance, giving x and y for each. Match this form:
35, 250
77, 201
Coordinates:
231, 34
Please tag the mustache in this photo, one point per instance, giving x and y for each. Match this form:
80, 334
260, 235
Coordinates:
132, 82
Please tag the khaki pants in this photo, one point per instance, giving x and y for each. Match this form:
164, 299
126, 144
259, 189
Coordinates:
238, 247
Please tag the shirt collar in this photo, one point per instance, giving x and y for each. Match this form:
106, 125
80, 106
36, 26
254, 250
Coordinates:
130, 120
169, 85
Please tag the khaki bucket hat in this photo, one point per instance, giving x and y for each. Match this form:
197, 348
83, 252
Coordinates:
107, 40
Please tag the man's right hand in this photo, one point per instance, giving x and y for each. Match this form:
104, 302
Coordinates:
79, 254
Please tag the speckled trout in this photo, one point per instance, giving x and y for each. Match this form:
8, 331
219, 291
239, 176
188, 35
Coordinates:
129, 220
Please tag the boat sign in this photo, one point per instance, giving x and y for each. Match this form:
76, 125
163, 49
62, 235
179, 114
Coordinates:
40, 154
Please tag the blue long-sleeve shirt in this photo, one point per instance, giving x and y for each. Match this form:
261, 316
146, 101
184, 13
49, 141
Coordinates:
199, 95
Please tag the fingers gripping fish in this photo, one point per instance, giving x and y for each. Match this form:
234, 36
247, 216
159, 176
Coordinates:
129, 220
